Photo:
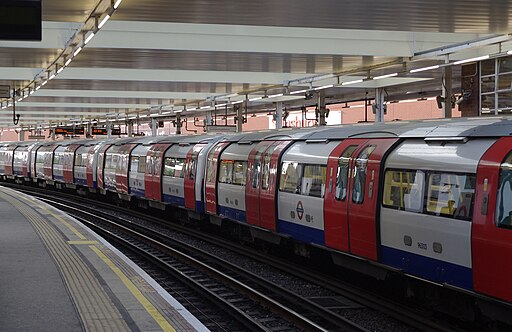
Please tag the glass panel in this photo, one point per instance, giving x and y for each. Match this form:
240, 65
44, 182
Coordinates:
488, 67
174, 167
342, 174
360, 174
404, 190
210, 172
488, 102
505, 65
504, 195
192, 166
134, 164
487, 84
290, 177
226, 171
505, 100
239, 172
313, 181
451, 195
505, 82
142, 164
78, 160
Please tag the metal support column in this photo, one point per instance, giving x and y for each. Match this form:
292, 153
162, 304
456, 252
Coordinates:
240, 116
178, 123
129, 128
322, 110
109, 129
154, 126
21, 135
447, 90
208, 120
379, 105
89, 130
279, 115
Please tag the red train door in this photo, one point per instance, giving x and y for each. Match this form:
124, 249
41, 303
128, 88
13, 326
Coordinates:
69, 162
122, 168
363, 194
190, 176
9, 169
492, 222
48, 162
99, 167
253, 184
338, 187
212, 166
153, 176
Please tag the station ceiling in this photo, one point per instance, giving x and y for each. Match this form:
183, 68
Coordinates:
156, 55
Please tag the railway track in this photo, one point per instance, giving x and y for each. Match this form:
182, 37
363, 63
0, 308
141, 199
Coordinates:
254, 302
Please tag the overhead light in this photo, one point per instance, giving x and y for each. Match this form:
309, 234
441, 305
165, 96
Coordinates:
77, 51
117, 4
20, 99
44, 83
323, 87
276, 95
255, 98
60, 69
178, 111
166, 112
509, 52
417, 70
38, 87
240, 101
204, 107
352, 82
88, 39
103, 21
298, 91
52, 76
479, 58
385, 76
143, 116
68, 61
221, 105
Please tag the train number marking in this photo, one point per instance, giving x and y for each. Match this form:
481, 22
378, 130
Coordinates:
422, 246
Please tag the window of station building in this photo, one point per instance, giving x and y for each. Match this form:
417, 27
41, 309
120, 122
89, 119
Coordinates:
504, 195
403, 190
360, 174
289, 181
451, 195
239, 173
174, 167
313, 180
226, 171
342, 174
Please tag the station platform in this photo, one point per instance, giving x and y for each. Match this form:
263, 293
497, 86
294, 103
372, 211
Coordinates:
57, 275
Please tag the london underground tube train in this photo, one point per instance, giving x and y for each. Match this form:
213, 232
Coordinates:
428, 199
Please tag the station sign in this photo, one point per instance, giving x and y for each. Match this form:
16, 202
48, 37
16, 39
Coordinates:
103, 131
69, 131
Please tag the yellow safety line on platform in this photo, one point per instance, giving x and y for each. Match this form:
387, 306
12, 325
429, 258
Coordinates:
83, 242
68, 225
150, 308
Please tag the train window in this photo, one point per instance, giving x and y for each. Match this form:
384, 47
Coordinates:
342, 174
256, 172
57, 159
108, 161
174, 167
504, 199
290, 177
451, 195
192, 167
78, 160
40, 158
134, 163
403, 189
265, 172
360, 174
226, 171
239, 172
210, 172
313, 180
142, 164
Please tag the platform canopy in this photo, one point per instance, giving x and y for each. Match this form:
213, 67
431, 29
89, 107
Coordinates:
166, 55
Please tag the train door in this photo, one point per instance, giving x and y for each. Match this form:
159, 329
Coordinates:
122, 168
68, 163
492, 222
190, 176
212, 166
338, 186
153, 176
100, 166
48, 162
363, 195
252, 187
9, 169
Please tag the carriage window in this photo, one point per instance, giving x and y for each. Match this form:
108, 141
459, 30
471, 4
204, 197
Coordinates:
142, 164
313, 181
226, 171
57, 159
265, 172
192, 167
239, 172
404, 190
504, 199
134, 164
78, 161
40, 158
342, 174
451, 195
290, 177
256, 171
360, 174
174, 167
108, 161
83, 160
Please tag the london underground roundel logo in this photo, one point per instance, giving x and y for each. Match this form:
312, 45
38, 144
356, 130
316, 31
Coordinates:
300, 210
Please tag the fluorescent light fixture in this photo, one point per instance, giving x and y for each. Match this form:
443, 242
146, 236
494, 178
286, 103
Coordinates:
352, 82
44, 83
238, 102
117, 4
479, 58
298, 91
166, 112
417, 70
31, 92
204, 107
20, 99
52, 76
323, 87
178, 111
88, 39
509, 52
60, 69
77, 51
221, 105
385, 76
255, 98
276, 95
103, 21
38, 87
143, 116
132, 118
68, 61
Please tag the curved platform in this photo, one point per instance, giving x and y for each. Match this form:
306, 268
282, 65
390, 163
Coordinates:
57, 275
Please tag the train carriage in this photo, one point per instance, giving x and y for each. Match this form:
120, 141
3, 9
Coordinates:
22, 159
